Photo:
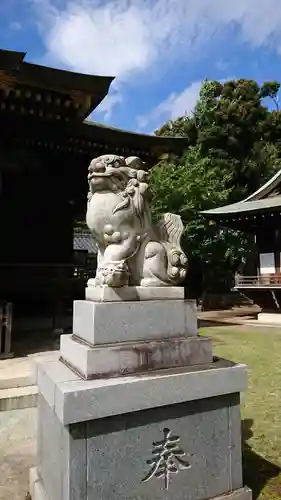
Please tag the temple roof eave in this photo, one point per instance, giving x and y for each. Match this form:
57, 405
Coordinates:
32, 97
13, 62
26, 84
246, 208
141, 141
266, 188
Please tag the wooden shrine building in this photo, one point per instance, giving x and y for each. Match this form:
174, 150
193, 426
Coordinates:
260, 215
46, 146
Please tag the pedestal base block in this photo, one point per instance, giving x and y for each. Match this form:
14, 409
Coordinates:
123, 358
174, 437
38, 493
75, 400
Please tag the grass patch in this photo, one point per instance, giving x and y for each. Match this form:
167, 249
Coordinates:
261, 405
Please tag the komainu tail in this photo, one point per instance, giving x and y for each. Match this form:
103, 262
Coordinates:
170, 229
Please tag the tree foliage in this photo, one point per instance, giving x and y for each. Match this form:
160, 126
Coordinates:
270, 89
235, 142
189, 186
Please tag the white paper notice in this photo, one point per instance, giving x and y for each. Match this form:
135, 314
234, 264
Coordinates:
267, 263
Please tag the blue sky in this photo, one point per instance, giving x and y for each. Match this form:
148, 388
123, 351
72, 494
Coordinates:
159, 50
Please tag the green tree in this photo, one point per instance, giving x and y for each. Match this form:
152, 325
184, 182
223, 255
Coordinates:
235, 130
187, 187
270, 89
183, 126
231, 123
235, 144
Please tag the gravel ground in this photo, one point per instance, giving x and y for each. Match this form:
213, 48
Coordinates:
17, 451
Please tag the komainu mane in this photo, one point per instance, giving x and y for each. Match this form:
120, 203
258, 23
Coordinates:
131, 250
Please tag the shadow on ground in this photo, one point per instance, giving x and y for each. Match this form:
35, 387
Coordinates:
29, 342
208, 323
32, 335
257, 470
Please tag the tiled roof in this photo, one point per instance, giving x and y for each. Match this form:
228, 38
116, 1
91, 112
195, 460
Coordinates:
43, 80
264, 205
266, 198
84, 241
267, 188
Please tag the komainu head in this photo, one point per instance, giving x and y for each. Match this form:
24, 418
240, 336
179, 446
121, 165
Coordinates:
114, 173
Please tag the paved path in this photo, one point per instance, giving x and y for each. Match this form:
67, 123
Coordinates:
17, 451
20, 372
234, 314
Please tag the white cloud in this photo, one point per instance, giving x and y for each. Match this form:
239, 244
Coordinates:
174, 106
126, 38
110, 39
106, 106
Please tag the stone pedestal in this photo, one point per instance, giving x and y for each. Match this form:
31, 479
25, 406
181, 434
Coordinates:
149, 416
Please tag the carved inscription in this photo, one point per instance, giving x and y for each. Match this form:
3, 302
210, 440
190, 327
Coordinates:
166, 459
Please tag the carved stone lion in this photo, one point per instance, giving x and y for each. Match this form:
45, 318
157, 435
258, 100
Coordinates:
131, 250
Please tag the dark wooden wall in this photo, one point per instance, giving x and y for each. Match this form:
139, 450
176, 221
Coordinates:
41, 193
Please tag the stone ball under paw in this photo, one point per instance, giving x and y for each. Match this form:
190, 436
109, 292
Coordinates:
110, 279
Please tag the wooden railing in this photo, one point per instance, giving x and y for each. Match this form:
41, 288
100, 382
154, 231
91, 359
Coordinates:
265, 280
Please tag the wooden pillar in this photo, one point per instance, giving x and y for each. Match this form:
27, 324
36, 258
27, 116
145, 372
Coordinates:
268, 247
6, 311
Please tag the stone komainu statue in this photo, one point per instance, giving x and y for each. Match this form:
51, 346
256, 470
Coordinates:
131, 250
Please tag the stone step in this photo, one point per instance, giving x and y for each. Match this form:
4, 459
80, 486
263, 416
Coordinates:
18, 398
21, 371
13, 382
